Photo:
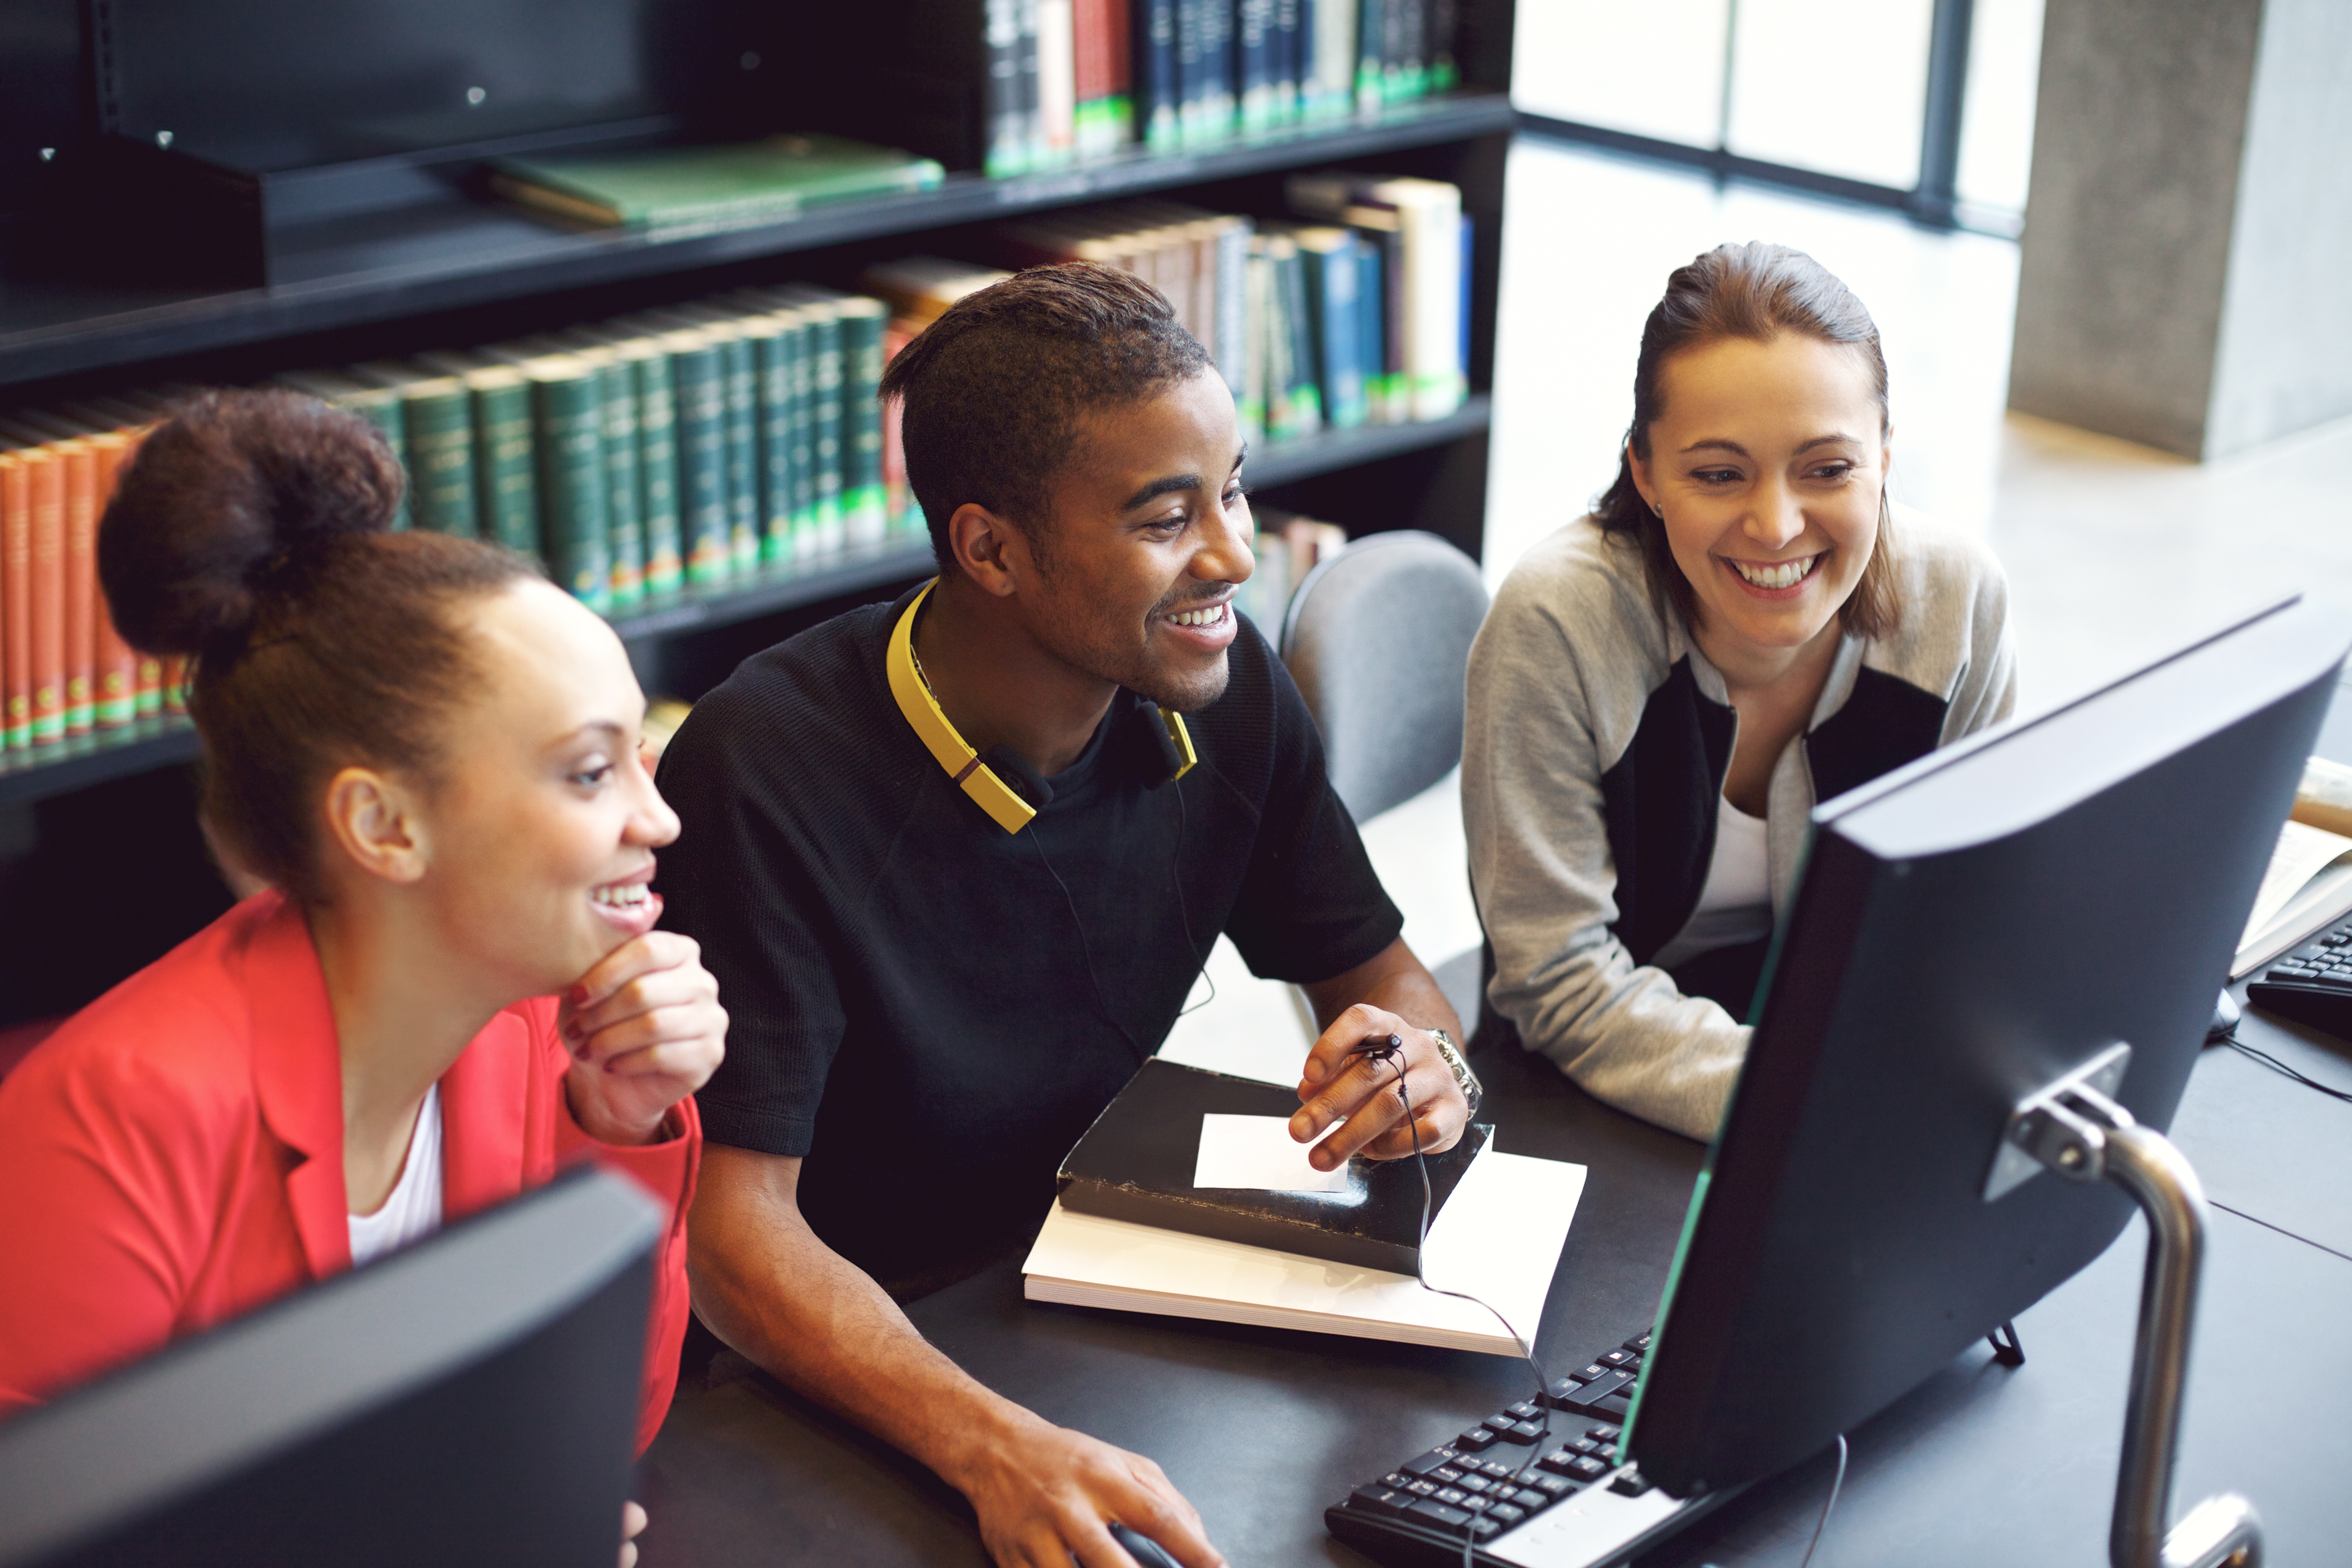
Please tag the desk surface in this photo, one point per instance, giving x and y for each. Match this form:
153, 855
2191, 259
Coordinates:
1262, 1428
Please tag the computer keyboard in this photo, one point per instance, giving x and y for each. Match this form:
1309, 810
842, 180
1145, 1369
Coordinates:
1535, 1485
2312, 984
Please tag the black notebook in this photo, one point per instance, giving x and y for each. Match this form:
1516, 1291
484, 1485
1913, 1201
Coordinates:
1136, 1162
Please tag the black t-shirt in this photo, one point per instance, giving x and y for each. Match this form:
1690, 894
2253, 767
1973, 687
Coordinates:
917, 1003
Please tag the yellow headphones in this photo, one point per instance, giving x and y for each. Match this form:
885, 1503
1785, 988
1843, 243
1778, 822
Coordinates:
954, 754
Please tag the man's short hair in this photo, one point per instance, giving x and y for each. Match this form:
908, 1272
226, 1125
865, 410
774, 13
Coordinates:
995, 388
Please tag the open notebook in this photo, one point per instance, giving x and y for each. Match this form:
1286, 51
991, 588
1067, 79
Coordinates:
1499, 1239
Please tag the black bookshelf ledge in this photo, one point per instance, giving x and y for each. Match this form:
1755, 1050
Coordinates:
464, 252
1274, 463
60, 767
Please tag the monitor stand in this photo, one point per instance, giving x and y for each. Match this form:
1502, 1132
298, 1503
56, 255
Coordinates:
2072, 1126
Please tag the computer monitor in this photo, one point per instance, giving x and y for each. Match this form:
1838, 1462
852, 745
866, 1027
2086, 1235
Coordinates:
1967, 929
471, 1400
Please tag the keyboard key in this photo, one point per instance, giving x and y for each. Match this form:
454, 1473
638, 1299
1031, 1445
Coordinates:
1617, 1406
1525, 1410
1630, 1482
1551, 1486
1639, 1344
1422, 1488
1585, 1446
1385, 1502
1477, 1440
1495, 1470
1447, 1475
1588, 1374
1427, 1511
1587, 1400
1557, 1463
1530, 1499
1475, 1485
1430, 1463
1587, 1467
1520, 1432
1396, 1478
1604, 1432
1616, 1358
1562, 1390
1485, 1530
1503, 1514
1453, 1495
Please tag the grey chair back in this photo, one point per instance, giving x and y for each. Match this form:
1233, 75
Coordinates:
1378, 637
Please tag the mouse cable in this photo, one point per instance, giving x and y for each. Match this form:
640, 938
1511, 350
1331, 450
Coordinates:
1389, 1051
2275, 1065
1822, 1523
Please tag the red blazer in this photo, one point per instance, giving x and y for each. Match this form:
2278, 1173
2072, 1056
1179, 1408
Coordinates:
174, 1156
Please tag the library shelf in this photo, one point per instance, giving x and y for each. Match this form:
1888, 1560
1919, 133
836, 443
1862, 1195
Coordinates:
76, 763
55, 321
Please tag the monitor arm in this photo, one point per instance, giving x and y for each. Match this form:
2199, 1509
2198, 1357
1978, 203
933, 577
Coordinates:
2073, 1128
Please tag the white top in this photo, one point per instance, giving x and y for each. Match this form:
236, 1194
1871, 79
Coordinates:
413, 1212
1736, 905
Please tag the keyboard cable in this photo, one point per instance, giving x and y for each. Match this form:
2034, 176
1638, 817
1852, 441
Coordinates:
1822, 1523
2275, 1065
1388, 1050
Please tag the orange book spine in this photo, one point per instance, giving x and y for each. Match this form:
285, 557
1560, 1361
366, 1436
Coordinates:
175, 684
16, 601
45, 481
896, 334
116, 684
81, 462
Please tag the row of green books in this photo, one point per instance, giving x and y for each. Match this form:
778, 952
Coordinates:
677, 448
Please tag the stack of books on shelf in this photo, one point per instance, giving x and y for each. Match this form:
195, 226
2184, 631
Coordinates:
690, 447
65, 670
1045, 83
1288, 546
1359, 318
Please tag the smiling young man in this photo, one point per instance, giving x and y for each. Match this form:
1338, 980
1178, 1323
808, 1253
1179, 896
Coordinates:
1743, 627
958, 860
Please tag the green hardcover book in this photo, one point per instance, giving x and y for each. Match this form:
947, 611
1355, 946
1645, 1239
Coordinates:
1306, 398
1251, 400
624, 531
745, 334
681, 191
379, 405
505, 475
820, 309
698, 381
865, 507
657, 463
778, 339
569, 418
438, 434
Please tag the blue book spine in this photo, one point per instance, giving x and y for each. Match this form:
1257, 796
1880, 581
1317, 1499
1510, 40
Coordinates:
1371, 329
1339, 318
1462, 334
1158, 87
1255, 48
1291, 22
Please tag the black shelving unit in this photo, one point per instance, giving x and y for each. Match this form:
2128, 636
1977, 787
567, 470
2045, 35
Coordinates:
102, 865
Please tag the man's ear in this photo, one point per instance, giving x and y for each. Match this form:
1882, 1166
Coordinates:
377, 821
990, 549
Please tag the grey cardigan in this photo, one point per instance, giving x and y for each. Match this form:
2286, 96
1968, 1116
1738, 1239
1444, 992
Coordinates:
1595, 746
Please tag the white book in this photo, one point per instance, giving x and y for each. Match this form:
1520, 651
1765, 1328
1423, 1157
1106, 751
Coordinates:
1433, 363
1057, 83
1499, 1238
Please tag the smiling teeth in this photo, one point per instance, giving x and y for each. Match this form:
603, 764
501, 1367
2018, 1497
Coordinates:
1784, 575
1214, 616
627, 896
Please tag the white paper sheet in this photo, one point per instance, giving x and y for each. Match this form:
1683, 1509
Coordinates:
1257, 1153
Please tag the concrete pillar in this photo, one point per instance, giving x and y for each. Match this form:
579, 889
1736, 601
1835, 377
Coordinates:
2187, 275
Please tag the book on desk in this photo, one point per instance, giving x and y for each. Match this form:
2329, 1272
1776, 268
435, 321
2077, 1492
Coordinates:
1131, 1232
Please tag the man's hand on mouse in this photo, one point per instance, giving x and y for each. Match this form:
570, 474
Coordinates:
1339, 1084
1043, 1493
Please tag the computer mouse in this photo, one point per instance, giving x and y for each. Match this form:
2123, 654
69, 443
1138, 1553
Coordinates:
1147, 1552
2225, 1020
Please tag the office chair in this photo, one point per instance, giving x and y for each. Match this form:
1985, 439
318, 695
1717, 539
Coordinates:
1378, 637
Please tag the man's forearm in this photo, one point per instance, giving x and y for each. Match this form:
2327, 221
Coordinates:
1395, 981
767, 1286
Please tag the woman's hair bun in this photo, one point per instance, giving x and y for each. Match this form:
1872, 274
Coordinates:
224, 504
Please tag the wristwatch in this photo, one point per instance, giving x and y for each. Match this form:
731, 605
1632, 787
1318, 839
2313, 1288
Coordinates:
1466, 1081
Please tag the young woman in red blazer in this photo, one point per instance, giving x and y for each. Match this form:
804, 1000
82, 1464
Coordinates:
453, 985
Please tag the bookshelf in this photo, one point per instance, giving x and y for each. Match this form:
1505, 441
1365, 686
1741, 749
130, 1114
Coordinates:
84, 819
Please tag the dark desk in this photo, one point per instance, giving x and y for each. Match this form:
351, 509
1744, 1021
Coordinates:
1262, 1428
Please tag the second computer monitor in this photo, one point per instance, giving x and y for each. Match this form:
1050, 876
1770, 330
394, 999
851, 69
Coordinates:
1968, 929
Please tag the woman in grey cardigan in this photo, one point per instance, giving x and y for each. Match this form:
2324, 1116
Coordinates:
1742, 626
